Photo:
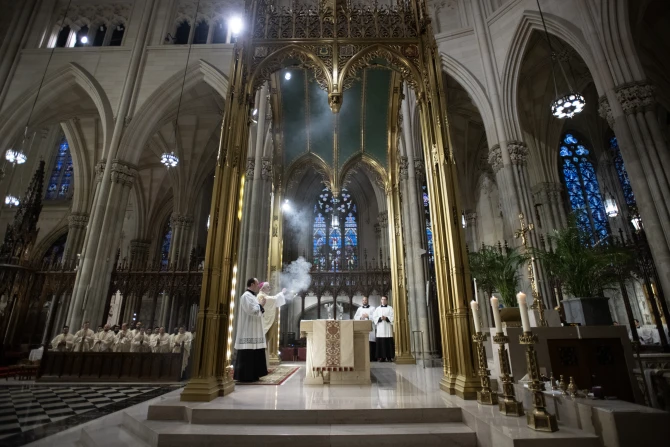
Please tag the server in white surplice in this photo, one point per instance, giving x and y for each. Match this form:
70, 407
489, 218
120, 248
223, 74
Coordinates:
383, 319
366, 312
250, 343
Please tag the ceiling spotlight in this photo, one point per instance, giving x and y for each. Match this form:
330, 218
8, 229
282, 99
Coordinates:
286, 206
84, 39
255, 112
235, 25
287, 76
169, 160
15, 157
11, 201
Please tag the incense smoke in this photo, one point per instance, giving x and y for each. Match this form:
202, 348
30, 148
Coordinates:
296, 276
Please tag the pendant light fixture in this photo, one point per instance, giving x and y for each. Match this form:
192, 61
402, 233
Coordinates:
611, 208
11, 200
571, 103
170, 160
16, 156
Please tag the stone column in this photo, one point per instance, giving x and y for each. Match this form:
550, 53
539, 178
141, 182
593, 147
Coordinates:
382, 219
628, 109
77, 223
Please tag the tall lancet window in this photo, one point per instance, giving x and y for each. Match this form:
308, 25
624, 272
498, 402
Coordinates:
335, 232
429, 228
165, 244
582, 186
60, 182
623, 175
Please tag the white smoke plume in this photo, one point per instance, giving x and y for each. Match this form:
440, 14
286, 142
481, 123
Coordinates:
296, 277
299, 222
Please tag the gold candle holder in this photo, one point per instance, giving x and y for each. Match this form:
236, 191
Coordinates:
538, 419
485, 396
508, 406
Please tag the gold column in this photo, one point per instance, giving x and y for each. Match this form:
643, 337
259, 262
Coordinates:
451, 266
213, 344
396, 243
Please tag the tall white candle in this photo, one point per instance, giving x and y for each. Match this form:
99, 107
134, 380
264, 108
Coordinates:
476, 294
496, 314
523, 309
475, 315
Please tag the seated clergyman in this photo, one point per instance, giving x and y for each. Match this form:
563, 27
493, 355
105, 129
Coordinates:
63, 341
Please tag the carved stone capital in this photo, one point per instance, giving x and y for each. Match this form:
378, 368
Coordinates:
547, 191
403, 164
495, 158
181, 220
636, 97
77, 220
383, 218
251, 165
123, 173
605, 111
266, 169
518, 152
419, 168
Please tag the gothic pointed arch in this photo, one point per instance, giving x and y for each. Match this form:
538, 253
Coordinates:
150, 115
297, 170
56, 85
556, 26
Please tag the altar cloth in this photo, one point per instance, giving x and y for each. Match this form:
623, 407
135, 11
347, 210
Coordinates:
337, 336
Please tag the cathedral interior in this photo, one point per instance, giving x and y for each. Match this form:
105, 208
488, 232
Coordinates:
441, 153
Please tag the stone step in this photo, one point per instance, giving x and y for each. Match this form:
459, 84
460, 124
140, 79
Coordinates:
303, 417
179, 434
112, 436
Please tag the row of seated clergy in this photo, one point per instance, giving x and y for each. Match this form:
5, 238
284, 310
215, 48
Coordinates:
124, 340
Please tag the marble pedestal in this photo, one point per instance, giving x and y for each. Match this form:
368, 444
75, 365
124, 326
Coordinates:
361, 373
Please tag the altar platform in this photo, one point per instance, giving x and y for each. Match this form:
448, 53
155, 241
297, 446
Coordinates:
403, 406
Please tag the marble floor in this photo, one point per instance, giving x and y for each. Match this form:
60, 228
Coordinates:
30, 411
400, 387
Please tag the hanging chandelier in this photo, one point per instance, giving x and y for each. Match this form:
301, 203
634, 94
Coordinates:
11, 200
15, 157
572, 103
611, 208
169, 160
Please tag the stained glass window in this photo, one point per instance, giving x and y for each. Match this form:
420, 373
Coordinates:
623, 175
429, 228
165, 246
60, 181
332, 217
582, 186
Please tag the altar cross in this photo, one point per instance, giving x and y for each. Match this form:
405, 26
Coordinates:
521, 233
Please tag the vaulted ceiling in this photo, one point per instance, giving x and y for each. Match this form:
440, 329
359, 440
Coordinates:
308, 125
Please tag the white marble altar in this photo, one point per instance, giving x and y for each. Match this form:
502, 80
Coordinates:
361, 373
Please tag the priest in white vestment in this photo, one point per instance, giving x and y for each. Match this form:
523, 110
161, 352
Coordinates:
104, 341
123, 339
83, 338
63, 342
272, 305
162, 341
139, 342
363, 313
383, 319
153, 340
182, 341
250, 363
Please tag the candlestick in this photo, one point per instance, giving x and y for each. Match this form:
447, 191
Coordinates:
508, 406
476, 293
532, 264
485, 396
538, 419
523, 310
475, 315
496, 314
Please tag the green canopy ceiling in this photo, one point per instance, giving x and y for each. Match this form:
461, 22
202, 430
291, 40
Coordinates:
308, 125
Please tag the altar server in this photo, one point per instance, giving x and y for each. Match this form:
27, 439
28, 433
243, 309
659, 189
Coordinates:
83, 339
366, 312
104, 340
123, 339
250, 343
383, 319
63, 342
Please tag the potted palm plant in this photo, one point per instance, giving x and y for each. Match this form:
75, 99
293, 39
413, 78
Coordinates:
585, 268
497, 269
